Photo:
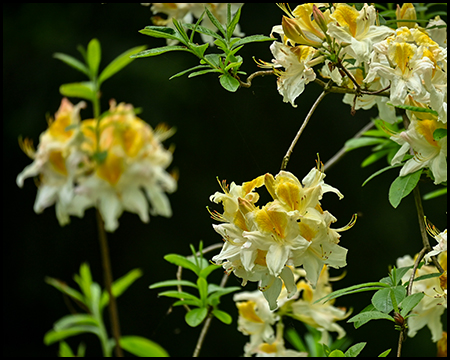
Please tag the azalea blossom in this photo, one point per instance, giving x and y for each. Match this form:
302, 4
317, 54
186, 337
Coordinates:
432, 306
116, 165
262, 242
356, 30
440, 237
428, 152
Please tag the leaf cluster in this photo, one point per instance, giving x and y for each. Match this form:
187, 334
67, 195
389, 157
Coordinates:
390, 300
209, 294
226, 64
93, 300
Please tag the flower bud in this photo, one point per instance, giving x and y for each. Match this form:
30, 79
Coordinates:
406, 12
292, 30
320, 19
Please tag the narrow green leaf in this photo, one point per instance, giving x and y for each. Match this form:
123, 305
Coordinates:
353, 143
119, 63
93, 55
295, 339
438, 134
64, 288
142, 347
208, 270
199, 50
202, 72
71, 61
336, 353
414, 108
181, 295
355, 350
74, 320
53, 336
250, 39
382, 300
231, 26
84, 90
410, 303
370, 315
385, 353
402, 186
159, 50
188, 70
120, 285
214, 297
374, 157
203, 30
370, 286
172, 283
161, 32
202, 289
368, 308
215, 22
84, 280
196, 316
435, 193
380, 172
182, 261
65, 350
222, 316
229, 83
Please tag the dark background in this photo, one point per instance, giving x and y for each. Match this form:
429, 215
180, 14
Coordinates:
234, 136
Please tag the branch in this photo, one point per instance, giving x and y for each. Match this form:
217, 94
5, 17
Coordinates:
252, 76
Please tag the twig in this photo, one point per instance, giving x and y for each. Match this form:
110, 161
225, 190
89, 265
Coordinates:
107, 274
305, 122
343, 90
252, 76
343, 150
207, 323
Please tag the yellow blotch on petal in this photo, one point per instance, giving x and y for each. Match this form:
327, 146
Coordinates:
57, 160
268, 348
401, 54
261, 257
247, 311
427, 128
307, 232
271, 221
111, 169
346, 16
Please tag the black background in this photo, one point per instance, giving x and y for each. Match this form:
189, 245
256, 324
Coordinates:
234, 136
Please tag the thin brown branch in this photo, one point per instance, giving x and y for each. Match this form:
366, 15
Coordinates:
252, 76
108, 279
305, 122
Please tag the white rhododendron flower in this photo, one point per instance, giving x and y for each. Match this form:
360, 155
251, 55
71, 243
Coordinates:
292, 230
116, 165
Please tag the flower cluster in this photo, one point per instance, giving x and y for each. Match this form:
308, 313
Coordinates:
431, 308
368, 59
256, 320
114, 163
293, 229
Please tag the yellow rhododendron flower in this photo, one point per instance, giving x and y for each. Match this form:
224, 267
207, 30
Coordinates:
116, 164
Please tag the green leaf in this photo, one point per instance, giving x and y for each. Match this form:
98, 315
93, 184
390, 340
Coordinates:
295, 340
438, 134
53, 336
119, 63
202, 289
172, 283
336, 353
222, 316
368, 308
188, 70
202, 72
410, 303
353, 289
84, 280
93, 56
196, 316
385, 353
355, 350
229, 83
402, 186
380, 172
208, 270
434, 194
64, 288
182, 261
161, 32
65, 350
120, 285
414, 108
71, 61
215, 22
159, 50
181, 295
203, 30
142, 347
250, 39
352, 144
184, 38
382, 300
231, 26
199, 50
365, 317
214, 298
84, 90
374, 157
74, 320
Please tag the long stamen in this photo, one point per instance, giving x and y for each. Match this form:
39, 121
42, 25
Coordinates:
216, 215
349, 225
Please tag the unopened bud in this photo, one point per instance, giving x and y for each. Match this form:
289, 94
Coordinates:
320, 19
245, 206
292, 30
406, 12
